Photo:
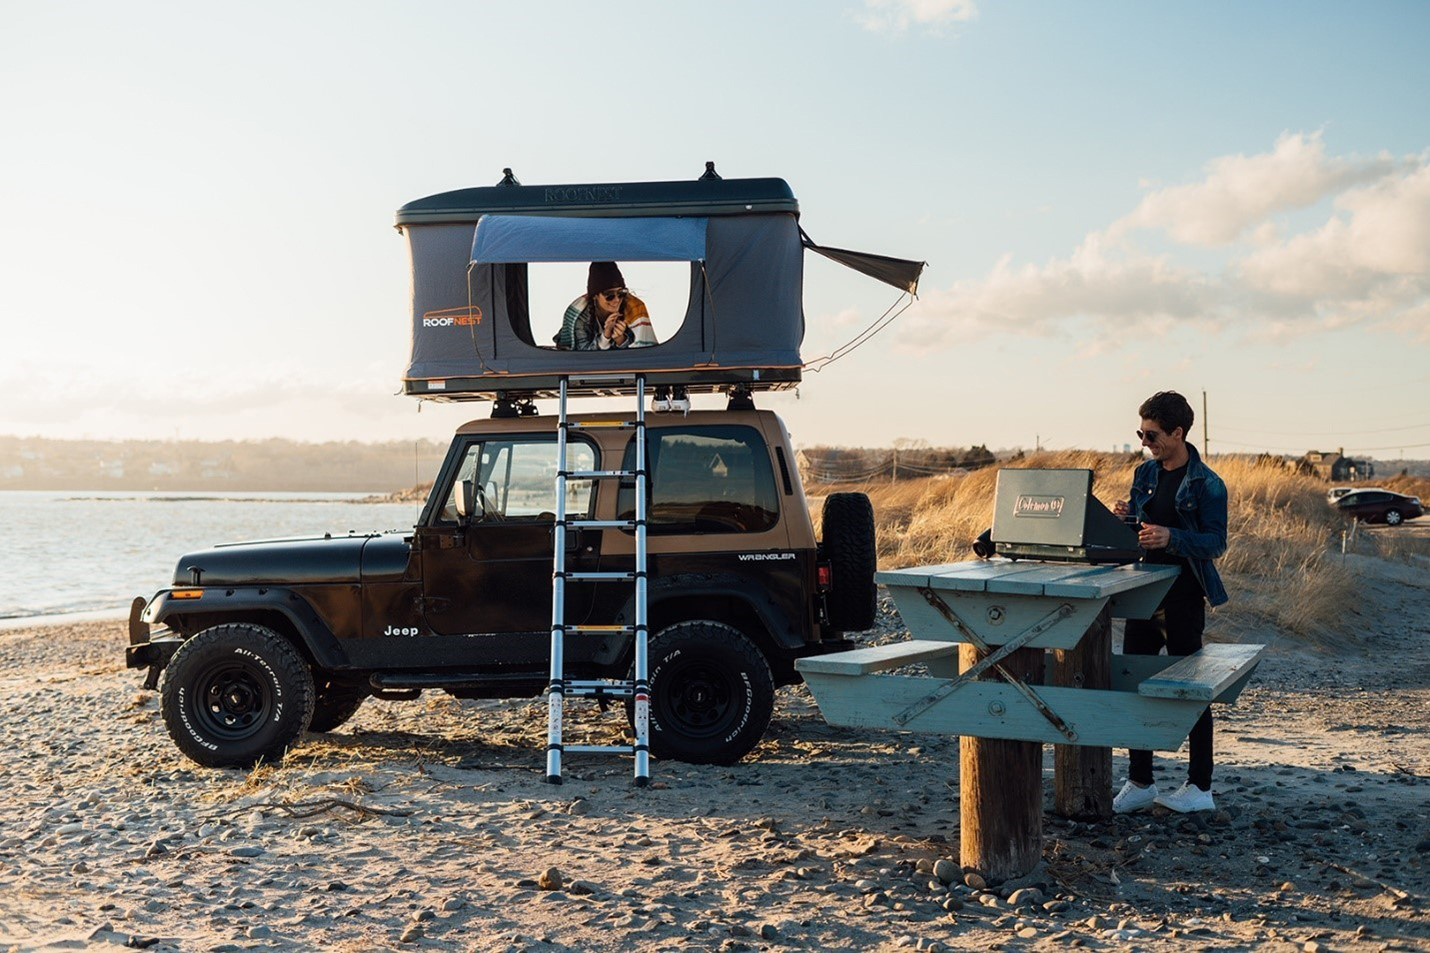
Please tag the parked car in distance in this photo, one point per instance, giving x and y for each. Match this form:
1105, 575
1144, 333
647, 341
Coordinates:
1337, 492
1380, 506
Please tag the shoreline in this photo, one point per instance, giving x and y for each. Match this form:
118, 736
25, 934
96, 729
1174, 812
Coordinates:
49, 620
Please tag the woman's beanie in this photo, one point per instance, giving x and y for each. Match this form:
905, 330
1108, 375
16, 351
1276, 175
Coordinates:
604, 275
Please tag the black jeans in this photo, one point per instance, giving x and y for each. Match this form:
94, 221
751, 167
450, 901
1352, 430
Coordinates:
1177, 625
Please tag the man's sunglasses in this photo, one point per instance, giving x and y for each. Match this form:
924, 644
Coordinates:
1150, 435
615, 294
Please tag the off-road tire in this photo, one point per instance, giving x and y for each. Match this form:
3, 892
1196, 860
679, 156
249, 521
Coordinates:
235, 695
711, 694
850, 547
333, 707
1393, 518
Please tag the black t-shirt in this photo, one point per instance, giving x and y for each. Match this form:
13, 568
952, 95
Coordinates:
1161, 510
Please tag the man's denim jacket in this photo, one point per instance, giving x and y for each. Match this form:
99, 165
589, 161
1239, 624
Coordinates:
1201, 510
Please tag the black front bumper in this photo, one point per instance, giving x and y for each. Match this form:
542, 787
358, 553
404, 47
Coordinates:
148, 648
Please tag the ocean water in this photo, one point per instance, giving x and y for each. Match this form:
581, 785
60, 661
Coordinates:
77, 553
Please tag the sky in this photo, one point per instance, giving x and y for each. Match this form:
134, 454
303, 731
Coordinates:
196, 204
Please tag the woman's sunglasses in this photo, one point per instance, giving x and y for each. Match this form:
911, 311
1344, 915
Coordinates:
615, 294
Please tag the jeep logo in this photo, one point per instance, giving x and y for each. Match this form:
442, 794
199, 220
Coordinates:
401, 630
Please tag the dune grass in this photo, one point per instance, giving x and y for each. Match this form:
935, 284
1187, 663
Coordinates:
1282, 568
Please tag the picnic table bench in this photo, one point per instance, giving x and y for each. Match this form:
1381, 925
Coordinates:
1019, 655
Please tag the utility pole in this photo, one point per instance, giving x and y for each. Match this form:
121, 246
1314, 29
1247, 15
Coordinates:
1206, 437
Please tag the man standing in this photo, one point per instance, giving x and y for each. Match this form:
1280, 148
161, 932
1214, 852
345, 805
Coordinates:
1180, 507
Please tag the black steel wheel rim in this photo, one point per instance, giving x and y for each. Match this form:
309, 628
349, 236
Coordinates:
232, 701
698, 699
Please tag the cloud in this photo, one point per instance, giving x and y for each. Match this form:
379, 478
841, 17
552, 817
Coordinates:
1366, 262
896, 16
1241, 191
1109, 291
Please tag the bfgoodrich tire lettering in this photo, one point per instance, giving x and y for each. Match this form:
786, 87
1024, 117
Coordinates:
235, 695
850, 548
711, 694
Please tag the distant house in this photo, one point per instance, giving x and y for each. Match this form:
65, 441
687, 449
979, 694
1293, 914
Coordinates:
1334, 466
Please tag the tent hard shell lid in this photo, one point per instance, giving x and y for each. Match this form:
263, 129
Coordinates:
743, 321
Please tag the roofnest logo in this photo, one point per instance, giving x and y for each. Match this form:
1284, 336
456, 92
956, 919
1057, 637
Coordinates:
452, 317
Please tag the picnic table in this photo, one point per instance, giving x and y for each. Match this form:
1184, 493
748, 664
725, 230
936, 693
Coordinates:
1019, 654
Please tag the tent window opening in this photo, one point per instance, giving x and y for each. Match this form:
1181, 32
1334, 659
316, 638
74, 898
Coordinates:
549, 307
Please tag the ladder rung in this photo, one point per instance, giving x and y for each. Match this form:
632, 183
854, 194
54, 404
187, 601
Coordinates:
597, 691
600, 629
602, 524
598, 474
600, 576
600, 749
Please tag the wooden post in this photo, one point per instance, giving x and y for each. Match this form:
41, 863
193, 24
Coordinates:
1082, 777
1001, 788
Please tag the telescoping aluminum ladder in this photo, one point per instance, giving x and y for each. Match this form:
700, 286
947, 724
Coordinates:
636, 689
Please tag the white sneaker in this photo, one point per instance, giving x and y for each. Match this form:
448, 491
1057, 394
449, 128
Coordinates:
661, 405
1133, 797
1187, 799
680, 405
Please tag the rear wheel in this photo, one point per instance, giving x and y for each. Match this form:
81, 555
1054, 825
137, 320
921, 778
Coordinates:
1393, 518
711, 694
849, 546
235, 695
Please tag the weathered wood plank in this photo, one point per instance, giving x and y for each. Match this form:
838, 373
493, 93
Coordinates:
1000, 789
1106, 719
1203, 675
1113, 580
876, 658
1082, 775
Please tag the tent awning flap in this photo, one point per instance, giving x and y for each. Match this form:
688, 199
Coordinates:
532, 238
899, 272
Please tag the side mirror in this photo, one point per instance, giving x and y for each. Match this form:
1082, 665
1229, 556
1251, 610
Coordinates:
466, 500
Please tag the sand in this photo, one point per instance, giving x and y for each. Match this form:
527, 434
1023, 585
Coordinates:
427, 825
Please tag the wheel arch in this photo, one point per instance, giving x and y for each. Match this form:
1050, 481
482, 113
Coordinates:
283, 611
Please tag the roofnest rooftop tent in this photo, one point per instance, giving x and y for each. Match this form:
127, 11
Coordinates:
743, 322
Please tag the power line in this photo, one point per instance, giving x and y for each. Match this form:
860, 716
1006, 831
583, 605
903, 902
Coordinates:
1262, 446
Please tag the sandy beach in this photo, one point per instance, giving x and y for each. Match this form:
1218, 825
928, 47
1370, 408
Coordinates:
427, 824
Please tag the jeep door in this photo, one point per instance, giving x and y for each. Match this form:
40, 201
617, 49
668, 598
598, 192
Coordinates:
486, 575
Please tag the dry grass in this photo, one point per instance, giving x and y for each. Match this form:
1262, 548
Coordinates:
1282, 567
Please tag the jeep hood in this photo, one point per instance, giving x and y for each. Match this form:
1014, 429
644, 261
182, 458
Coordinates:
299, 561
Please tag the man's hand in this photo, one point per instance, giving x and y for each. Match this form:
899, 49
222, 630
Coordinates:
1151, 536
1120, 508
615, 329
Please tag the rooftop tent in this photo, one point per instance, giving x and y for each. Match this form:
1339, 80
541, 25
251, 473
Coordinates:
743, 321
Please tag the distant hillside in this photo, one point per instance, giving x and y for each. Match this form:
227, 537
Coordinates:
30, 463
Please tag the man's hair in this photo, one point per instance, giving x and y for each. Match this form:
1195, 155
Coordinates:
1170, 410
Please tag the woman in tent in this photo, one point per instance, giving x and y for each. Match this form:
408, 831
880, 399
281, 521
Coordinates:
607, 316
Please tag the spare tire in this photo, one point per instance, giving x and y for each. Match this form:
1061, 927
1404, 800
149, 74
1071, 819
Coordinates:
849, 547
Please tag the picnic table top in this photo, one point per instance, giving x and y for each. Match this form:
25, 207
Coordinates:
1030, 578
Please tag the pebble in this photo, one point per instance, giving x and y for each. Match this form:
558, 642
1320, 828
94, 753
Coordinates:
246, 852
453, 904
413, 933
1029, 895
1027, 933
946, 871
550, 879
258, 932
975, 881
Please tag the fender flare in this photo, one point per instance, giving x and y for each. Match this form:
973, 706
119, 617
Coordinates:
229, 605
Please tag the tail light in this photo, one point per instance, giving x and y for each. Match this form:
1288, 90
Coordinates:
825, 577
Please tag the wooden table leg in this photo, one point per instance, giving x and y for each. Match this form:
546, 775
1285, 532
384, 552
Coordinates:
1001, 788
1082, 777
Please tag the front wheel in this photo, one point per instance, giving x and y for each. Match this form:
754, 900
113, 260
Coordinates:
711, 691
1393, 518
235, 695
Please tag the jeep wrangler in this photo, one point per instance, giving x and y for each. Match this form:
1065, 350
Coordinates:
259, 642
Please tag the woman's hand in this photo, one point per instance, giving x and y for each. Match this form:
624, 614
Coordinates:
615, 329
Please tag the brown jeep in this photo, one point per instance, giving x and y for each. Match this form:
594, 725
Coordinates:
259, 642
